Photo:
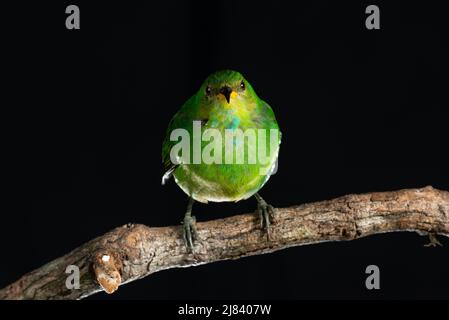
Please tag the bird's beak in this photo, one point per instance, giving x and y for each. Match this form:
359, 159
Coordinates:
227, 92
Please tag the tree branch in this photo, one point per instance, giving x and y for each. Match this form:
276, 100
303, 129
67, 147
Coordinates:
134, 251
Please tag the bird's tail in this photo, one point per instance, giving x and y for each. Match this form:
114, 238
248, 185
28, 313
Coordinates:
167, 175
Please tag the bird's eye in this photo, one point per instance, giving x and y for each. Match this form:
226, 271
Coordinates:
208, 90
242, 85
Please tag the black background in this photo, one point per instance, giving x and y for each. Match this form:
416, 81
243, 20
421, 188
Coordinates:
360, 111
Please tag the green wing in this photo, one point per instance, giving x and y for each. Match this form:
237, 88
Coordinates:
180, 120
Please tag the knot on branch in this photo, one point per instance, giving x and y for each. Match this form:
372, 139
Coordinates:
107, 267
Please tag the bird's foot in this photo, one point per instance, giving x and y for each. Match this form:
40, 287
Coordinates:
189, 231
266, 215
433, 241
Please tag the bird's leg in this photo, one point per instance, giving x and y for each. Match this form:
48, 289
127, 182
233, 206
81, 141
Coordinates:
189, 226
265, 213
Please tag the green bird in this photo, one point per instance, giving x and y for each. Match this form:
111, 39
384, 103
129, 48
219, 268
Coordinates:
225, 106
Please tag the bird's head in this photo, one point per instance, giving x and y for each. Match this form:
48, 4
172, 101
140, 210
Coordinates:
228, 89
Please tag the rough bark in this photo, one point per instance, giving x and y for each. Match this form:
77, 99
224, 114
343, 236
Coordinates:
134, 251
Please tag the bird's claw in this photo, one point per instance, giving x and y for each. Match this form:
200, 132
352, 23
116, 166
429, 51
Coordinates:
266, 213
189, 232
